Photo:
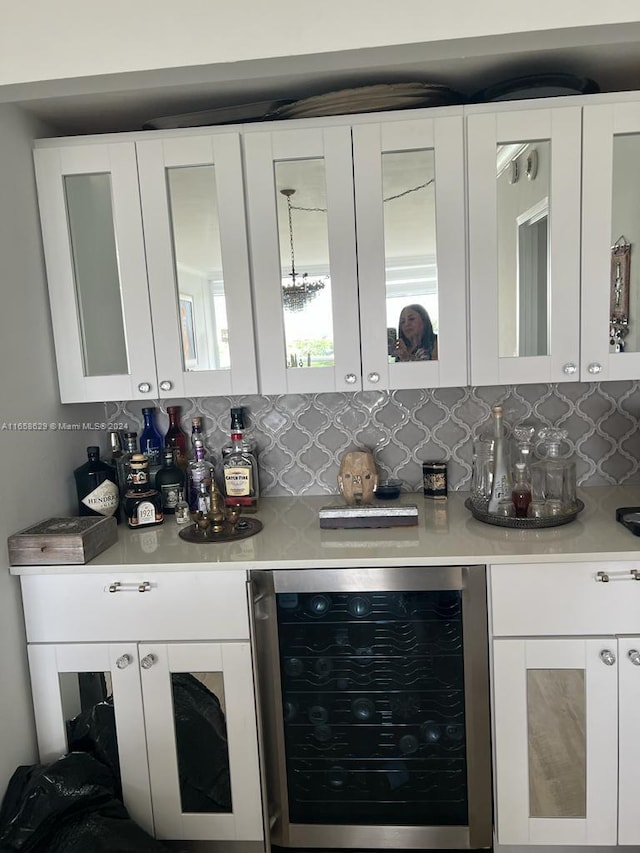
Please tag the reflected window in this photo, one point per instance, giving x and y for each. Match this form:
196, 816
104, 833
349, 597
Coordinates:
200, 297
411, 273
523, 171
304, 262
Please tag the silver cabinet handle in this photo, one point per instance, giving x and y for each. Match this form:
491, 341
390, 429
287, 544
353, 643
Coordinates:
144, 387
569, 368
148, 661
132, 586
608, 657
166, 385
634, 656
594, 367
374, 377
350, 378
635, 574
123, 661
602, 577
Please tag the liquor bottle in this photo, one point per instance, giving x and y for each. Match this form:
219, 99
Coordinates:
122, 466
181, 511
238, 425
200, 471
96, 486
521, 492
197, 435
151, 442
501, 482
175, 437
240, 469
170, 480
142, 504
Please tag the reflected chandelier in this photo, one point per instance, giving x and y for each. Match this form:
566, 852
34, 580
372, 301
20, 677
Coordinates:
298, 291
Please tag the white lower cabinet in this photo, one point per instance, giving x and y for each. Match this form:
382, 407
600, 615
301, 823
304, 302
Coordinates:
565, 706
184, 712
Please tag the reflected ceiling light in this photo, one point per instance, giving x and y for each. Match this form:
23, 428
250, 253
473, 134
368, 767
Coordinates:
298, 291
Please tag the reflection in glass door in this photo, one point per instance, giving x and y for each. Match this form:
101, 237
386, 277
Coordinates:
305, 267
411, 274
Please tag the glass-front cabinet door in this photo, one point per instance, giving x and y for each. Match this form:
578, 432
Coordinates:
192, 195
409, 186
523, 170
96, 270
303, 254
556, 740
175, 723
610, 241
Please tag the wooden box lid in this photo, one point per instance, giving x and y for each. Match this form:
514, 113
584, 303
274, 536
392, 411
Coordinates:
62, 541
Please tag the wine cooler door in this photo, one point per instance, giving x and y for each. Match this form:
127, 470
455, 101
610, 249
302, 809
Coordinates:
378, 716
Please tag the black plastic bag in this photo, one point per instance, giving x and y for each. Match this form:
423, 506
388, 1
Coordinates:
94, 731
201, 739
68, 806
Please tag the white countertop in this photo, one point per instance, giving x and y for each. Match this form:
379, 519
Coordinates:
446, 534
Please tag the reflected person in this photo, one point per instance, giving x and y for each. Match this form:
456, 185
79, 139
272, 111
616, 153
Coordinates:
416, 339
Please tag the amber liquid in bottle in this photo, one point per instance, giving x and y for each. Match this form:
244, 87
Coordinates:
521, 492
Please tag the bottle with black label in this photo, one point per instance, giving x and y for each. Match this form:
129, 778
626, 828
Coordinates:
170, 481
96, 486
142, 504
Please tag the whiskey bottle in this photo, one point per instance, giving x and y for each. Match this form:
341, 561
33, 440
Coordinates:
142, 504
176, 438
96, 486
169, 480
240, 469
151, 442
122, 466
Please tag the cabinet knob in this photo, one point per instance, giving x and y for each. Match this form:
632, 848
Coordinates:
374, 377
123, 661
634, 656
166, 385
569, 368
594, 367
144, 387
350, 378
608, 657
148, 661
602, 577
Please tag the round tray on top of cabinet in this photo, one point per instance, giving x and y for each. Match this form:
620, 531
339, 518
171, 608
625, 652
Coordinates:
524, 523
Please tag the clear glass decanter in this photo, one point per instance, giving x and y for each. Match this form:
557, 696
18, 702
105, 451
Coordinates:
553, 476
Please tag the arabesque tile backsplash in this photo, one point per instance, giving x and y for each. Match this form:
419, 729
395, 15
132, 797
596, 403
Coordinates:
301, 438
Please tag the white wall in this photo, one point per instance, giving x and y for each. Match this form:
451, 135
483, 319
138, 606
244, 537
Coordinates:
37, 467
40, 40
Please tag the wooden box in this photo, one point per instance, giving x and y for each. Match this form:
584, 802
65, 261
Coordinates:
62, 541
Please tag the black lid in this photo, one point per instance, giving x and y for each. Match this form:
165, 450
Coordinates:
169, 453
148, 409
131, 435
94, 450
237, 417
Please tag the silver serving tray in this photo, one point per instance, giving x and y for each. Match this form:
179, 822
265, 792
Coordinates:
524, 523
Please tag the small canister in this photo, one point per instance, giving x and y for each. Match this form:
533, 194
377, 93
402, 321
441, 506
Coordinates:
434, 478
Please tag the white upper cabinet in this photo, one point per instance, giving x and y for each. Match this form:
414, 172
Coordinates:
198, 264
523, 174
332, 276
148, 269
409, 185
96, 268
303, 253
611, 236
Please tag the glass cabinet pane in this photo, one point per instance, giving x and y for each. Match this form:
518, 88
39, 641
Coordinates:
198, 267
304, 262
411, 273
557, 743
201, 741
523, 182
88, 709
624, 313
96, 274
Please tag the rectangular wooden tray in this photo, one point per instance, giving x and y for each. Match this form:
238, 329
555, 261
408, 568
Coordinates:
62, 541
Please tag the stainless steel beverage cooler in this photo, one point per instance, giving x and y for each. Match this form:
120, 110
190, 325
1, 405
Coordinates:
373, 687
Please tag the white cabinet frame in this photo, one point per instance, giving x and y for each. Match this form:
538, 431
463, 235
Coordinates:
223, 152
119, 161
485, 130
445, 136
